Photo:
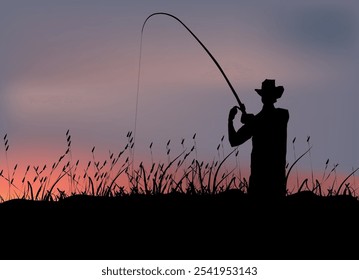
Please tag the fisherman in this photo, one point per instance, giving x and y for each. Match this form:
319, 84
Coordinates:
268, 130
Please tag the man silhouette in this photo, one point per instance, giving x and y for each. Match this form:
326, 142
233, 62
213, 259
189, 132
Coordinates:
268, 130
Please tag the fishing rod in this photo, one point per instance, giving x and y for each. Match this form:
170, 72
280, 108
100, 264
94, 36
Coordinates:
241, 105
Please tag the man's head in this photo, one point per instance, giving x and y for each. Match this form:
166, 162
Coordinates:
269, 91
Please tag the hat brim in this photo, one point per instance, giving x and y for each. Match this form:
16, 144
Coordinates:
277, 91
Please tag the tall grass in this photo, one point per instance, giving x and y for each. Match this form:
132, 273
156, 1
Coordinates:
117, 175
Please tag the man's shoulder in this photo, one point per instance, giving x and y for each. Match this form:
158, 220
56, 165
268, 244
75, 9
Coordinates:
282, 112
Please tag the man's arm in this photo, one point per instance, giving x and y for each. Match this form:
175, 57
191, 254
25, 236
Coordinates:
243, 134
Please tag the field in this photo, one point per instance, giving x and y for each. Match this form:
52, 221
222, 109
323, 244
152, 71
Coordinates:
173, 210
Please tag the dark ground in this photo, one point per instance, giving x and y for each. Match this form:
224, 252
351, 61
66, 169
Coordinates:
225, 226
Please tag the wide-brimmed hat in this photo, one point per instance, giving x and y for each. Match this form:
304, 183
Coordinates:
269, 88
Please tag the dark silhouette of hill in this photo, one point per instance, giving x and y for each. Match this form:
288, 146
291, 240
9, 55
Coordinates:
228, 225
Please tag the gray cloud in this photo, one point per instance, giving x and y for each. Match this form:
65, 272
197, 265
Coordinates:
325, 27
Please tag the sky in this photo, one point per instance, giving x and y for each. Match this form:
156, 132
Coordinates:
75, 65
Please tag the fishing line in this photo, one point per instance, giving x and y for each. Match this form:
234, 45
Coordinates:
241, 105
136, 108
